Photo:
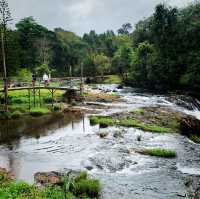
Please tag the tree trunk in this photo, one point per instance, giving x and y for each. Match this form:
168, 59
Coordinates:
5, 72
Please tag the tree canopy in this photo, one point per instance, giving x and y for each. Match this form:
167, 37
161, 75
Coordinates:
160, 52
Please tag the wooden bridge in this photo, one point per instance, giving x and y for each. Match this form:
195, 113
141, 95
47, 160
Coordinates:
40, 87
35, 90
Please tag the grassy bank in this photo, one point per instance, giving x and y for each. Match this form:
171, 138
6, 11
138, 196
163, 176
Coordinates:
79, 187
158, 152
18, 103
158, 120
105, 121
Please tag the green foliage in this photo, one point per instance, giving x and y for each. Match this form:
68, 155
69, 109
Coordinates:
195, 138
161, 53
143, 126
39, 111
24, 75
158, 152
161, 61
87, 187
112, 79
139, 111
103, 121
102, 63
16, 115
40, 70
121, 61
80, 187
5, 115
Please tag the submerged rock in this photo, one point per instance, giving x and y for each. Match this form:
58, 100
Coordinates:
103, 134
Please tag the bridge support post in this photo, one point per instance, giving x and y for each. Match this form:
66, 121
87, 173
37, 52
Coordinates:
29, 99
34, 97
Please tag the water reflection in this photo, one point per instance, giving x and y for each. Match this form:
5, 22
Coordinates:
31, 144
29, 127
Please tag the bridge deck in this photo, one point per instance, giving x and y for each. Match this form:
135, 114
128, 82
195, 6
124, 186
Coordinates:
40, 87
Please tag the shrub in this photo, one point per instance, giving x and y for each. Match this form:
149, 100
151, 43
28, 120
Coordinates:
16, 115
103, 121
195, 138
39, 111
5, 115
88, 187
56, 108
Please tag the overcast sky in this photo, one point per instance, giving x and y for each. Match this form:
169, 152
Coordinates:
81, 16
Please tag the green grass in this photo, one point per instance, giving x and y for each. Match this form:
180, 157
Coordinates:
158, 152
112, 79
19, 103
139, 111
195, 138
21, 97
105, 121
143, 126
80, 187
54, 84
39, 111
16, 114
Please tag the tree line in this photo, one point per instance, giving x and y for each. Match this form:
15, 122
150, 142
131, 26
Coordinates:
161, 52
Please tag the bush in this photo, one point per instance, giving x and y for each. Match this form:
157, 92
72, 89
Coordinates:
24, 75
103, 121
56, 108
16, 115
195, 138
39, 111
5, 115
77, 187
88, 187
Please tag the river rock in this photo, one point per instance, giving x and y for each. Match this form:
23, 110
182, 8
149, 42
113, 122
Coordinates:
48, 178
54, 177
7, 174
190, 125
103, 134
120, 87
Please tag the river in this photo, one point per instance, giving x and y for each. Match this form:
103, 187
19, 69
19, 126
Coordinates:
69, 142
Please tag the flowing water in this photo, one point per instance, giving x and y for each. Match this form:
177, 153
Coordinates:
60, 142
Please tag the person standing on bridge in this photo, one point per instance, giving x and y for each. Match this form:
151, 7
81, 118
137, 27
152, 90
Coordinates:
46, 79
33, 79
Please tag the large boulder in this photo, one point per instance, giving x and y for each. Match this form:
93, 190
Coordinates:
53, 177
48, 178
189, 125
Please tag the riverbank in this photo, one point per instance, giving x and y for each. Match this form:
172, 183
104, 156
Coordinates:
52, 185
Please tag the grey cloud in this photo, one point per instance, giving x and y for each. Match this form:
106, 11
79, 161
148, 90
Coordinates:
84, 15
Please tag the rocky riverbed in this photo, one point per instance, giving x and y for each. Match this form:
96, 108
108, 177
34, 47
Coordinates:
110, 154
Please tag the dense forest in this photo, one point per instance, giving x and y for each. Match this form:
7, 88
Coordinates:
161, 52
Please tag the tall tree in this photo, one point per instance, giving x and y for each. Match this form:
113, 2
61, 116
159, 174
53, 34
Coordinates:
125, 29
5, 18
